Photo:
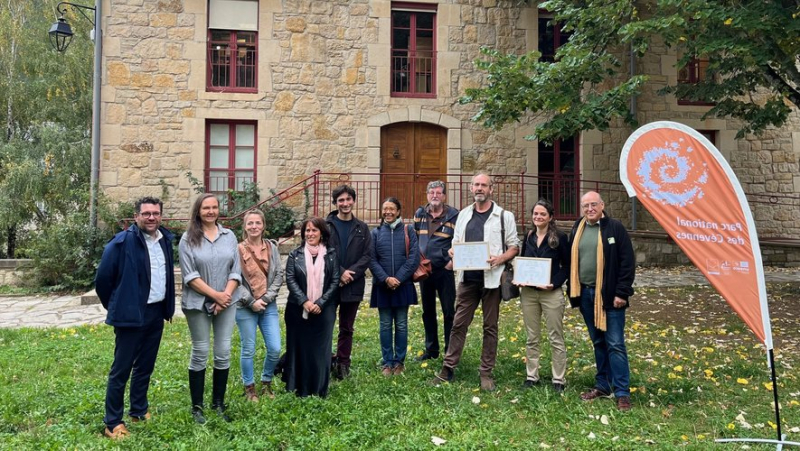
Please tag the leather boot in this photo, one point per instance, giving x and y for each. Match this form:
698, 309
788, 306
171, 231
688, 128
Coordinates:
220, 384
197, 383
266, 389
250, 393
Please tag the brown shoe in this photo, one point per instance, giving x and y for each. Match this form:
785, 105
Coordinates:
118, 433
594, 393
250, 393
487, 383
444, 375
386, 371
266, 389
145, 417
398, 370
624, 403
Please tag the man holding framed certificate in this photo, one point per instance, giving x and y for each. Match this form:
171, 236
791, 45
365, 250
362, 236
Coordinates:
478, 223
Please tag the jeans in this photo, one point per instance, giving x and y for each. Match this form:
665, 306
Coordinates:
610, 353
550, 304
393, 355
442, 281
248, 321
468, 296
200, 324
135, 352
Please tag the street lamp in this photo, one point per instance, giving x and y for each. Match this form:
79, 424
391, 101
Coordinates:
61, 36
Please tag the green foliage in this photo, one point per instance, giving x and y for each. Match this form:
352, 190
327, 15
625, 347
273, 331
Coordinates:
280, 220
752, 46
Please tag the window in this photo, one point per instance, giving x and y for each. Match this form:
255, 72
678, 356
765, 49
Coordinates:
230, 157
232, 46
559, 179
551, 37
693, 73
413, 50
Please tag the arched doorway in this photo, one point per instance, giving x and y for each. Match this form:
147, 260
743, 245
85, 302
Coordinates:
412, 154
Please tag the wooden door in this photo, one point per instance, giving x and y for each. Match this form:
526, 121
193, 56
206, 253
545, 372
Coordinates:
412, 154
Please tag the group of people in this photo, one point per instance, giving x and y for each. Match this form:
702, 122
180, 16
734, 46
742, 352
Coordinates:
227, 281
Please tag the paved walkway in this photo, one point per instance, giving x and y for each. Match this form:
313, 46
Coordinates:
67, 311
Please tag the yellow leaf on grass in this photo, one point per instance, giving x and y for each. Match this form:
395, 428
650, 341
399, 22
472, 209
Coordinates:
513, 339
742, 381
772, 425
678, 368
768, 385
708, 373
731, 426
728, 21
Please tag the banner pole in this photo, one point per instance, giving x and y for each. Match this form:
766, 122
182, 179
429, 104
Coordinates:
775, 392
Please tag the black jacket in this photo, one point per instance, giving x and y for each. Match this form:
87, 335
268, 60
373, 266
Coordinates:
296, 277
359, 244
559, 268
619, 269
435, 243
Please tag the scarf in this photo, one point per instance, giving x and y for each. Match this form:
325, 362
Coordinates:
575, 285
316, 272
396, 222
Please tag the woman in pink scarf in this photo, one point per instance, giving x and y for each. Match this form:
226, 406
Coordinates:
312, 273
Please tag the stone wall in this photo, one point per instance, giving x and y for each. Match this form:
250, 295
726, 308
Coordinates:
656, 249
13, 271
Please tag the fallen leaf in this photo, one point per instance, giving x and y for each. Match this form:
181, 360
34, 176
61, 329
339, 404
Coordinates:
591, 436
604, 419
742, 381
438, 441
476, 400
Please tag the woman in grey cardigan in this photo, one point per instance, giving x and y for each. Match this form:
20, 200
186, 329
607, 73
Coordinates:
262, 277
209, 259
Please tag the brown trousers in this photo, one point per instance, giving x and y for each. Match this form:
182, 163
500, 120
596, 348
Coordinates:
468, 296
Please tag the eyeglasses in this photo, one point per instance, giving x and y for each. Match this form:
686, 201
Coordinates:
150, 214
590, 205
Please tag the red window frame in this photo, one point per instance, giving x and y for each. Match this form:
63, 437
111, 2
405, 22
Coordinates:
409, 66
233, 173
560, 187
558, 39
693, 73
230, 60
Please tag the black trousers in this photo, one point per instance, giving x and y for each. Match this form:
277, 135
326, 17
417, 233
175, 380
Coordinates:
135, 353
441, 281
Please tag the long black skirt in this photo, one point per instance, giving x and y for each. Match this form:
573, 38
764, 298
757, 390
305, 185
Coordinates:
308, 350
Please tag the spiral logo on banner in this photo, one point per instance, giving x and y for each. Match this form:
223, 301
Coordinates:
670, 175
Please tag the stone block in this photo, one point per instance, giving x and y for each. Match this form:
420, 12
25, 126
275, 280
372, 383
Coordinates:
296, 24
398, 115
141, 80
284, 101
380, 8
163, 20
449, 121
118, 73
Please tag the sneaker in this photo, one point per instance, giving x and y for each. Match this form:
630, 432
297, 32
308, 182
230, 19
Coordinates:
398, 370
145, 417
594, 393
266, 389
250, 393
529, 383
386, 371
118, 433
444, 375
559, 388
487, 383
197, 414
624, 403
426, 356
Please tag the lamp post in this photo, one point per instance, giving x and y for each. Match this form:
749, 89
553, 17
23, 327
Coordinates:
61, 36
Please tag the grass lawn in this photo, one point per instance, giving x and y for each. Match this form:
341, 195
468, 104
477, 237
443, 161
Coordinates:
697, 374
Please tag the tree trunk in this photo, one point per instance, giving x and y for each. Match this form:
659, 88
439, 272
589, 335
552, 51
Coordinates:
11, 242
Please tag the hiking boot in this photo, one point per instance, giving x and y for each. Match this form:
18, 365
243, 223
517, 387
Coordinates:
266, 389
594, 393
487, 383
386, 371
559, 388
250, 393
118, 433
197, 414
624, 403
145, 417
398, 370
444, 375
426, 356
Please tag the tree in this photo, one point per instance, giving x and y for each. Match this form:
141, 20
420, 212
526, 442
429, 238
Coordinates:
45, 112
752, 47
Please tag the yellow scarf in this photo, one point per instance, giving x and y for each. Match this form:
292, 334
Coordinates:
575, 286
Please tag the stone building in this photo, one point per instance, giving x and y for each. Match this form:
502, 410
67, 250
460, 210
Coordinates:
236, 91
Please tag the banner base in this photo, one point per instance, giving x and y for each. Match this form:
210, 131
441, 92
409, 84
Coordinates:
778, 443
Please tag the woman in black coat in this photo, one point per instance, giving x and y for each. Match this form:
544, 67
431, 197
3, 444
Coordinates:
312, 276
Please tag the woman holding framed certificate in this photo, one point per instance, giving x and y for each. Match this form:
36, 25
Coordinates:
545, 241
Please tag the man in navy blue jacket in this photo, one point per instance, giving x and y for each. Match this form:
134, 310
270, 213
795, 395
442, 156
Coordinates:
136, 284
435, 224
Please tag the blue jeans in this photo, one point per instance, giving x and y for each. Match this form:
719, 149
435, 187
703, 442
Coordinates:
610, 353
393, 356
247, 321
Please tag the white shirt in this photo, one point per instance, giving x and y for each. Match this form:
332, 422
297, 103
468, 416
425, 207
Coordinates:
492, 232
158, 271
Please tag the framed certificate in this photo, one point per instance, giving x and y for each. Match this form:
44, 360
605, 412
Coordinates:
471, 256
532, 271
